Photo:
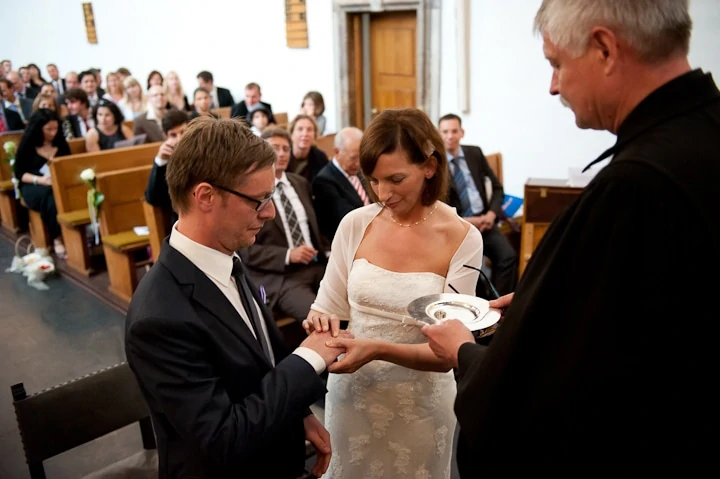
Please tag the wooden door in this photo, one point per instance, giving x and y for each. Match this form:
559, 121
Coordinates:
393, 70
382, 66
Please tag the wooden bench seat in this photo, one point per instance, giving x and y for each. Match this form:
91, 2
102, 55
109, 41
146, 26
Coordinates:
121, 211
70, 193
38, 231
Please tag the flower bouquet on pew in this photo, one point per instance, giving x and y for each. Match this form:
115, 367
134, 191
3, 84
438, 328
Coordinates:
10, 149
94, 199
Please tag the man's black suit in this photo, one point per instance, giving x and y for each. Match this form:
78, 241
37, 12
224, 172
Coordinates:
225, 98
241, 110
495, 245
219, 408
290, 288
335, 197
13, 119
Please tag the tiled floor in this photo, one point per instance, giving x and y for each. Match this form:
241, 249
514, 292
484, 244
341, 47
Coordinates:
46, 338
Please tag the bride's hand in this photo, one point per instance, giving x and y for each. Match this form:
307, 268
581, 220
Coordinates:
317, 321
358, 352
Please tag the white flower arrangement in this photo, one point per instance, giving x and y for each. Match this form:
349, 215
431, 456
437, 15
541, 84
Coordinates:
94, 199
10, 149
35, 266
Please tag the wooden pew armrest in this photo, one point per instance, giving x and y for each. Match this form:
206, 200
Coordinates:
74, 218
6, 185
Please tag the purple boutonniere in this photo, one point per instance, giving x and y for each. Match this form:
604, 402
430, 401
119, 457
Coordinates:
263, 294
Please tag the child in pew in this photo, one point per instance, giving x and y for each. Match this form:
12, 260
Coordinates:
109, 127
258, 119
41, 142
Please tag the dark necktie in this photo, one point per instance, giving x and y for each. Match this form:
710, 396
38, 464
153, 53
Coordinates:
239, 273
292, 220
461, 185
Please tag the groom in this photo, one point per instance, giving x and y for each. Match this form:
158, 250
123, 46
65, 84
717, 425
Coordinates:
226, 399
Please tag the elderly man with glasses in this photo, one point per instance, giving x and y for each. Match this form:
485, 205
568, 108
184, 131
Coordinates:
290, 254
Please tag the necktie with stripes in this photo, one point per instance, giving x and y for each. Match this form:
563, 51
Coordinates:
291, 217
357, 184
461, 185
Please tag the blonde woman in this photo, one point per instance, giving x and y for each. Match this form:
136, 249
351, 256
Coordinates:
134, 103
115, 91
175, 95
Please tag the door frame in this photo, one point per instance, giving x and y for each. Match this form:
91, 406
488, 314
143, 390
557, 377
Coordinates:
427, 14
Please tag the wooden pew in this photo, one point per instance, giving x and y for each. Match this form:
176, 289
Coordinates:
281, 120
70, 193
8, 203
326, 144
158, 226
77, 146
120, 212
223, 112
495, 163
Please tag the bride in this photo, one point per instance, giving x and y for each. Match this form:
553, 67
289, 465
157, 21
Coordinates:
389, 407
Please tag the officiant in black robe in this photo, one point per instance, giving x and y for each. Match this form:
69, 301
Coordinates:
606, 358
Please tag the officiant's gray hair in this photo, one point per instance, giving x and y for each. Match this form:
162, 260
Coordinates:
656, 29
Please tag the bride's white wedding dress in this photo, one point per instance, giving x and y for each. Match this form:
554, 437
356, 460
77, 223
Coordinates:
386, 420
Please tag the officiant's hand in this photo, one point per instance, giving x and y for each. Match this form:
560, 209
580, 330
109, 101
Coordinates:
317, 321
446, 337
358, 352
320, 439
502, 303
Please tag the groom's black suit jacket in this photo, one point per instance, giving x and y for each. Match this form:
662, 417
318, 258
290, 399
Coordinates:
218, 406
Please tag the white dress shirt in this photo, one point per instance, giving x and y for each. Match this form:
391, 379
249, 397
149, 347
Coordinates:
217, 266
300, 212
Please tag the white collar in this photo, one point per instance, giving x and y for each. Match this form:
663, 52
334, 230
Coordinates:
212, 262
335, 162
283, 179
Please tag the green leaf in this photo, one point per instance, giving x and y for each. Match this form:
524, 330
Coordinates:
99, 198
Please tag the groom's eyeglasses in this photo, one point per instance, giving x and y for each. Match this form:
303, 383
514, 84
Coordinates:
488, 287
259, 204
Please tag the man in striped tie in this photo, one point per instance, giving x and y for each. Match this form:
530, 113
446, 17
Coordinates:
339, 187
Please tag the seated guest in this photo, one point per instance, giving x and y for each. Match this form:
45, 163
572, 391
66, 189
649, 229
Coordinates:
289, 254
50, 102
115, 91
123, 73
11, 99
201, 104
251, 102
156, 193
340, 187
306, 160
55, 80
478, 195
175, 95
88, 83
79, 109
155, 78
36, 79
71, 81
41, 142
25, 88
313, 105
10, 120
221, 97
150, 123
258, 120
109, 127
134, 103
98, 81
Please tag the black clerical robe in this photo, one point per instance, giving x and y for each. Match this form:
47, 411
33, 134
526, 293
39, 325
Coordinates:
606, 361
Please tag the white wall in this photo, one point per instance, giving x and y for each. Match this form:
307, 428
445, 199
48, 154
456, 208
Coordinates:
511, 110
239, 41
244, 40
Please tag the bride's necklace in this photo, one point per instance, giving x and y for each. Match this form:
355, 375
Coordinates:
415, 223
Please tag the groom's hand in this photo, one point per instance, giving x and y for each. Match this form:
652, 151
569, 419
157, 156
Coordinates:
320, 439
317, 342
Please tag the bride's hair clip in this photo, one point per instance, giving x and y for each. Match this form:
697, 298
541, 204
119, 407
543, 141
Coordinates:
429, 149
